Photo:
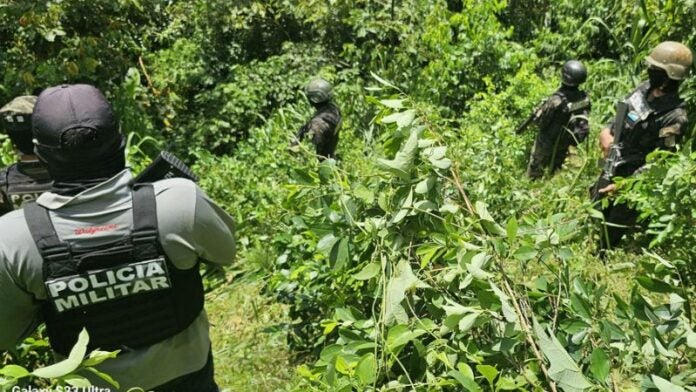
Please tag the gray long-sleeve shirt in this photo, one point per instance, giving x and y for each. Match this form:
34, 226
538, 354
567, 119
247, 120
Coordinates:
191, 227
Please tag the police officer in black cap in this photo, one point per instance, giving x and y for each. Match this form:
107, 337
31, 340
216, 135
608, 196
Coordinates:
26, 179
114, 257
563, 121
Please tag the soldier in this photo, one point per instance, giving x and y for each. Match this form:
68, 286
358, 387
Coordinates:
656, 119
325, 124
25, 180
116, 258
563, 121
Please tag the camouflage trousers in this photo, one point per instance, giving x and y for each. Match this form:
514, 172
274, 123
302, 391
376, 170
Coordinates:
546, 153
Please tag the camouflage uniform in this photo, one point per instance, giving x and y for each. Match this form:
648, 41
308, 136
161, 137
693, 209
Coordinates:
23, 181
653, 124
323, 129
563, 122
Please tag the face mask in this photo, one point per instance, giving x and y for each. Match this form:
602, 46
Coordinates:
657, 77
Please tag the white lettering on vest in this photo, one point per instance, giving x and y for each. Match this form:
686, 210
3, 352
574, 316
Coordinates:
95, 287
63, 304
56, 287
121, 274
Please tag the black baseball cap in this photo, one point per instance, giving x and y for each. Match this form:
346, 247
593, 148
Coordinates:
62, 108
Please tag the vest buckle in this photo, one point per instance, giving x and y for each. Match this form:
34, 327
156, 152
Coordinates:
144, 236
57, 252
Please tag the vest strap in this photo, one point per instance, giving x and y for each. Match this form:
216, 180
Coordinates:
145, 228
44, 233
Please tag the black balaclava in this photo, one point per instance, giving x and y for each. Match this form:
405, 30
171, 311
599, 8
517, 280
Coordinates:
657, 77
20, 135
77, 163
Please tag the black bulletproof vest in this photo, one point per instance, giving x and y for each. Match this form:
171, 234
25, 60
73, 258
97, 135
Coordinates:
641, 133
568, 115
22, 183
127, 294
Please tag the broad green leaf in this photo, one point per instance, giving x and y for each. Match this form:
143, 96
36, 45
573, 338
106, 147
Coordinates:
424, 186
96, 357
600, 365
403, 162
444, 163
468, 321
326, 243
342, 365
69, 365
525, 253
14, 371
340, 254
401, 282
468, 383
466, 370
563, 368
507, 384
368, 272
580, 306
402, 119
366, 371
690, 337
400, 335
476, 266
329, 326
393, 103
487, 220
329, 353
489, 372
427, 252
77, 381
449, 207
655, 285
666, 386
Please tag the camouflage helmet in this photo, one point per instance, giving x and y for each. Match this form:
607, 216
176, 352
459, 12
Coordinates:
319, 91
672, 57
573, 73
15, 118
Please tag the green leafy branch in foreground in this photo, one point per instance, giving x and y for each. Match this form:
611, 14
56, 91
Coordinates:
396, 282
65, 372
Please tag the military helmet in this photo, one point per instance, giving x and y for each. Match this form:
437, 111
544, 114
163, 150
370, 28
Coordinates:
573, 73
16, 122
673, 57
319, 91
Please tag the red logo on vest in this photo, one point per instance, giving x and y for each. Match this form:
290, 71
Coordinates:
95, 229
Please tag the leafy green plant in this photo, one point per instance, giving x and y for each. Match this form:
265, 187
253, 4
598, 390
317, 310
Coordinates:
65, 372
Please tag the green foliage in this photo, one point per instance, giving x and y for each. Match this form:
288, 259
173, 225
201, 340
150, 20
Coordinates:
62, 373
422, 259
394, 281
663, 193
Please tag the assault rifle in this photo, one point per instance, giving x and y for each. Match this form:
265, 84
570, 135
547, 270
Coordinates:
613, 159
532, 117
166, 165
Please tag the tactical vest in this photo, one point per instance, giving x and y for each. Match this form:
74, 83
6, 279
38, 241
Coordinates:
570, 115
641, 133
18, 187
127, 294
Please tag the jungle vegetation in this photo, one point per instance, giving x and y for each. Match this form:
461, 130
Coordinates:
422, 259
